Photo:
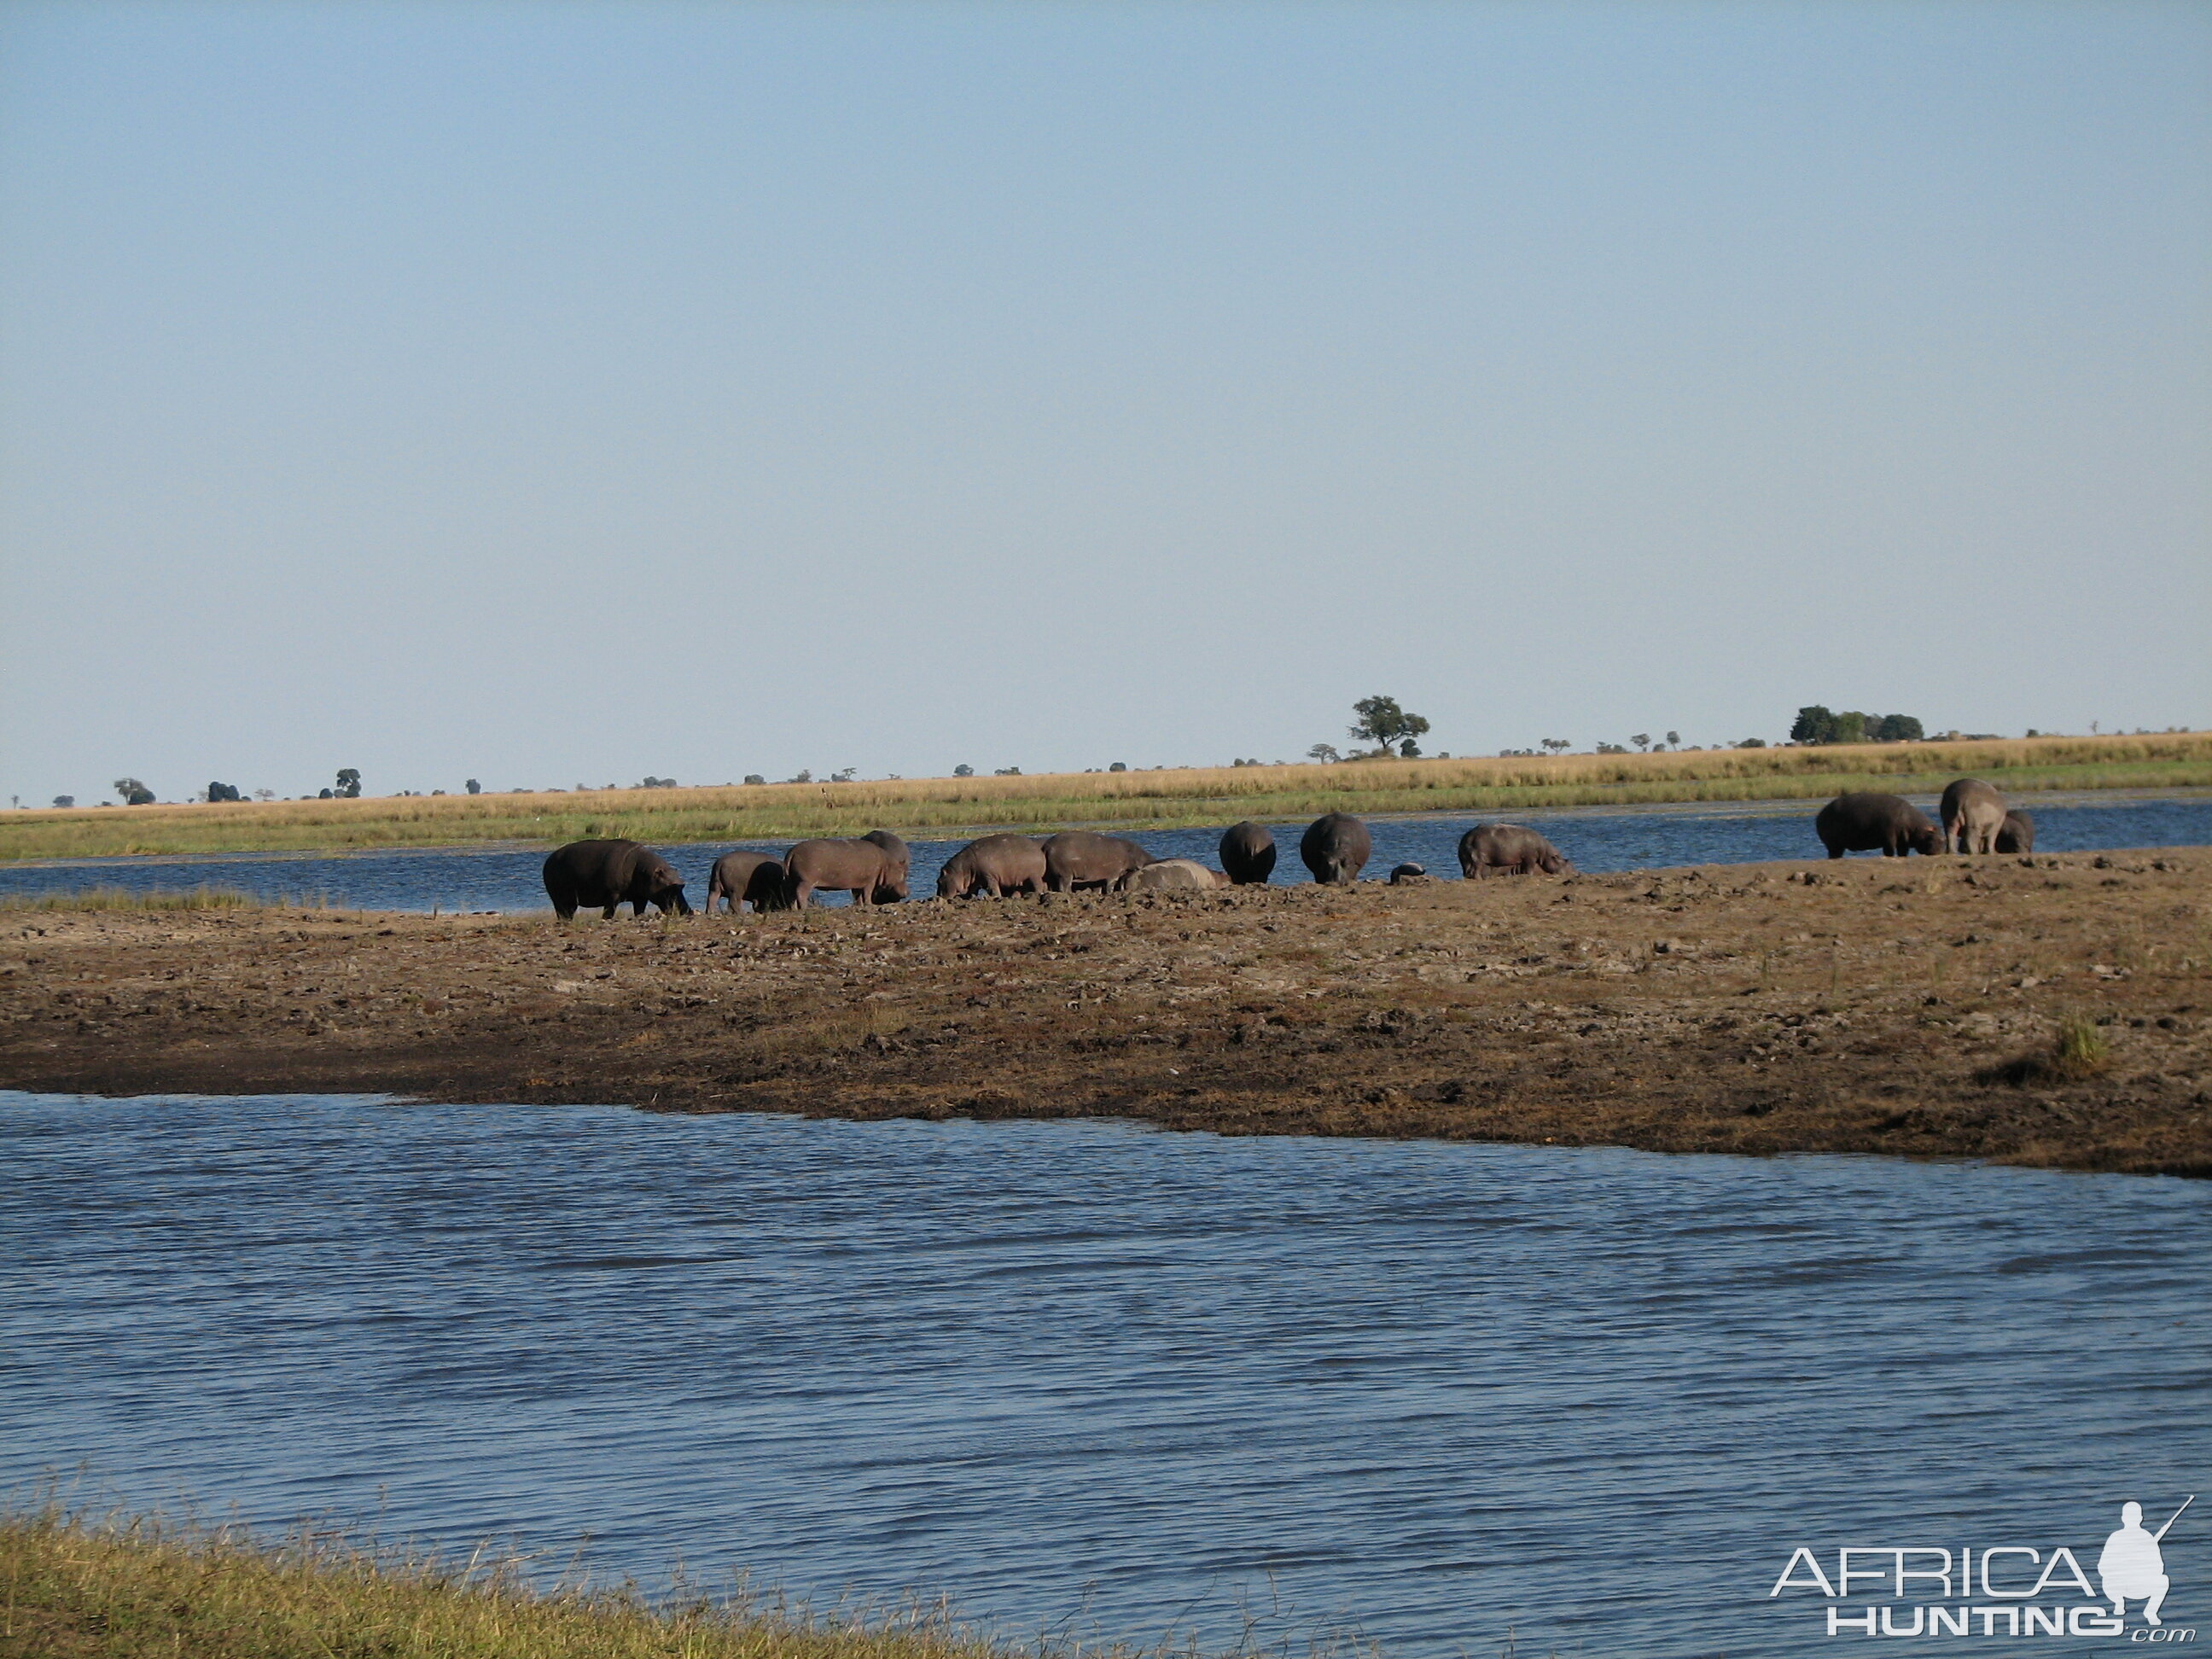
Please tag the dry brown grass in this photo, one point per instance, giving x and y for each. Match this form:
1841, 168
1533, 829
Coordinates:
1133, 801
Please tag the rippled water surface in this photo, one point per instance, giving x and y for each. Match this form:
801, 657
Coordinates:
1089, 1372
508, 879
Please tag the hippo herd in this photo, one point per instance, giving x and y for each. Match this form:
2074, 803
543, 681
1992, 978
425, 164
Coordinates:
1975, 819
1336, 847
872, 868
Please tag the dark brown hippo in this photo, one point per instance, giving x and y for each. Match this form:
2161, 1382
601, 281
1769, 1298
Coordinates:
1083, 857
609, 873
997, 865
1861, 822
1336, 847
2018, 835
743, 878
1248, 853
1507, 849
871, 870
1972, 813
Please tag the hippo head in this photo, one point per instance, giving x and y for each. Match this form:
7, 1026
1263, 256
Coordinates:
1927, 839
950, 885
891, 891
664, 886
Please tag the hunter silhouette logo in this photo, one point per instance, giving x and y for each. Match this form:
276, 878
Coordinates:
2131, 1565
1997, 1589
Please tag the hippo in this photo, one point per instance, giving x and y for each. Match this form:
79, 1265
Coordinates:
1174, 876
2018, 835
610, 874
1335, 847
1083, 857
895, 850
1248, 853
1972, 813
743, 877
1507, 849
872, 871
1405, 874
997, 865
1861, 822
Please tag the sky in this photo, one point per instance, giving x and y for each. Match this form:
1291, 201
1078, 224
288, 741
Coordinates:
553, 394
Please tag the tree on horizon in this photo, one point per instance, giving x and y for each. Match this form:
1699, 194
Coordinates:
1384, 723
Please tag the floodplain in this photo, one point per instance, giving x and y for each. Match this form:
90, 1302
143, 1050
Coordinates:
1135, 800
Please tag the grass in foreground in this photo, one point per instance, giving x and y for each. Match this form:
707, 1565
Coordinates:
203, 897
1124, 800
117, 1587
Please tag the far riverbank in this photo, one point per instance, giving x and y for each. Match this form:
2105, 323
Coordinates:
1136, 801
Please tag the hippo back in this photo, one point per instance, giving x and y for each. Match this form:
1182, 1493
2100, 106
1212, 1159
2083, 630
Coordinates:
1248, 852
1174, 876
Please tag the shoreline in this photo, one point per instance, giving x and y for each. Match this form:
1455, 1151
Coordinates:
1749, 807
1909, 1007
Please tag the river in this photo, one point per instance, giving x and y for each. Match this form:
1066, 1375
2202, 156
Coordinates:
507, 879
1087, 1376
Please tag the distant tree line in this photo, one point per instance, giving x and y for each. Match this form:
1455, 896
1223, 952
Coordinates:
1815, 724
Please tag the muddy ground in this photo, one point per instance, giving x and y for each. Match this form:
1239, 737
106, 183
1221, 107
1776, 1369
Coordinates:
1908, 1008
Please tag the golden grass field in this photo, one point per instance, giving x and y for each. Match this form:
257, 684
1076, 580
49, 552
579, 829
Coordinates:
945, 808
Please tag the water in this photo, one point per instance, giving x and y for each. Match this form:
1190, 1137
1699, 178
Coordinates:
1087, 1371
1598, 838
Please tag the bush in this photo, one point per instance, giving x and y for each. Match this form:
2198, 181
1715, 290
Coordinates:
964, 770
1119, 766
755, 777
65, 800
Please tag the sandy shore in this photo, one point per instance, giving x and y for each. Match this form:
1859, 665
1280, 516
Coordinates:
1867, 1006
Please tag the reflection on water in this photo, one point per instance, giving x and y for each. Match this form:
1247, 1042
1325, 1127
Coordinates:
1430, 1390
1596, 839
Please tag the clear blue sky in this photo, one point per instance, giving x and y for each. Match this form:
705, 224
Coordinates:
553, 394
